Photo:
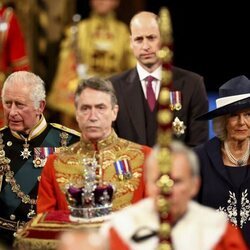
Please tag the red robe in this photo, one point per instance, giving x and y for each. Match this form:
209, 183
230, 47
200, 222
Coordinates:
199, 228
231, 240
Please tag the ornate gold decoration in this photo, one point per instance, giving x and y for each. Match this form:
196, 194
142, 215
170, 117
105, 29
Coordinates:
64, 137
164, 116
26, 153
164, 96
162, 204
166, 77
165, 246
178, 127
164, 135
68, 166
9, 177
165, 26
5, 169
165, 54
165, 229
165, 184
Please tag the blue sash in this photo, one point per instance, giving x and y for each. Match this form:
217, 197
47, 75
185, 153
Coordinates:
27, 175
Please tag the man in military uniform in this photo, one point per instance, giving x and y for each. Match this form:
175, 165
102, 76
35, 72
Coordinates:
13, 55
96, 109
25, 144
98, 45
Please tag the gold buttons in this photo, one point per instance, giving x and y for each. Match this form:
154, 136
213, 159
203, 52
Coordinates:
12, 217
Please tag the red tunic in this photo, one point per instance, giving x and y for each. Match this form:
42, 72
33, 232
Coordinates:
13, 56
64, 168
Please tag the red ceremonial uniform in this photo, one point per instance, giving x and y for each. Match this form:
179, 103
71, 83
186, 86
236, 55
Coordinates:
13, 56
66, 167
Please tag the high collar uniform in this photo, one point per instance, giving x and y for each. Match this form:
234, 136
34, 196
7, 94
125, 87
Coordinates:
20, 174
66, 167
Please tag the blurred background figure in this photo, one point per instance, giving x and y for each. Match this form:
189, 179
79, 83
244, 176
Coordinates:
91, 47
81, 239
13, 54
194, 227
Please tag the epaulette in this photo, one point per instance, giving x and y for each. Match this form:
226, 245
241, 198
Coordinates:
66, 129
3, 128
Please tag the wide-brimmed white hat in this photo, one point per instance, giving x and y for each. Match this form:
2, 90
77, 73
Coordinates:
234, 95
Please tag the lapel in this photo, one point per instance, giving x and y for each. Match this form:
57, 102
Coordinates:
133, 101
213, 149
178, 83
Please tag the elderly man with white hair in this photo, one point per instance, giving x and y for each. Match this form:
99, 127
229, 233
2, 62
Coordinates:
25, 144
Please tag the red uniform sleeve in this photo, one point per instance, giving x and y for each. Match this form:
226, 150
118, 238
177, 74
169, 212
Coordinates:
140, 193
17, 56
232, 240
115, 241
50, 196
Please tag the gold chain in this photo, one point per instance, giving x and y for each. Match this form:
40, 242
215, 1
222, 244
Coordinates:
9, 177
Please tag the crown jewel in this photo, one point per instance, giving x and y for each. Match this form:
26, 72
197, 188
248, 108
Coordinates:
93, 200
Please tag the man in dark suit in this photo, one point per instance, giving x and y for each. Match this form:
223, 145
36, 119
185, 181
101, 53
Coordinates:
136, 120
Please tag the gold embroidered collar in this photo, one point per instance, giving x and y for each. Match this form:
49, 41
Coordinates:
102, 144
37, 130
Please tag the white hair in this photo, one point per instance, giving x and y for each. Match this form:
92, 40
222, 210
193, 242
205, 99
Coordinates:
35, 83
176, 147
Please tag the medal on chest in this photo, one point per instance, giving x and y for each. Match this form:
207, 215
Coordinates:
123, 169
41, 154
26, 153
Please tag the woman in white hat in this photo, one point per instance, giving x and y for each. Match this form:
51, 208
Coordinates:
224, 160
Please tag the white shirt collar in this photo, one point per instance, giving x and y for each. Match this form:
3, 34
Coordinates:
144, 73
156, 84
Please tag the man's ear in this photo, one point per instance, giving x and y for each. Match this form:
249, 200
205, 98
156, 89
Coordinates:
42, 106
196, 183
115, 112
130, 43
77, 116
